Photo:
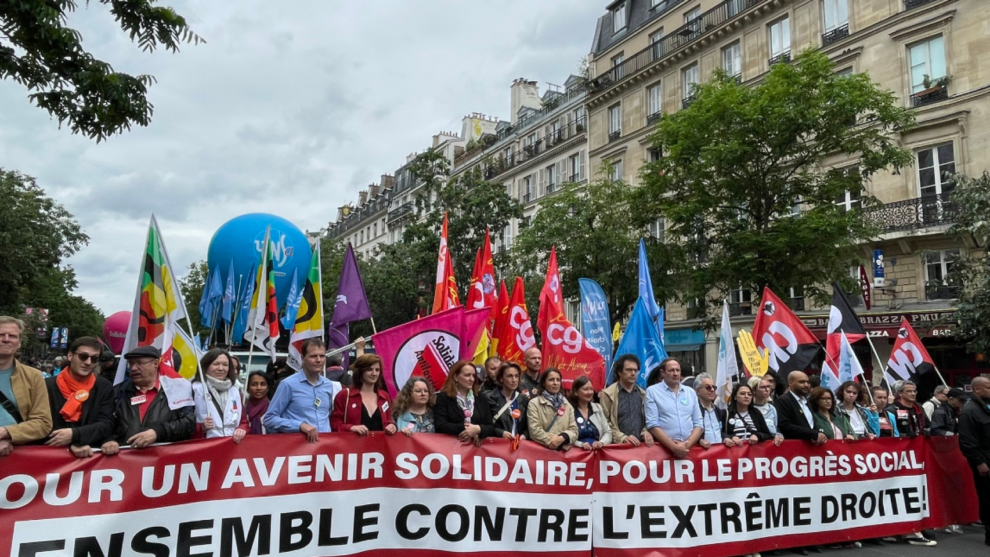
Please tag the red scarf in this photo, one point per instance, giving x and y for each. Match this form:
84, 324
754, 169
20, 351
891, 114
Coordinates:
75, 393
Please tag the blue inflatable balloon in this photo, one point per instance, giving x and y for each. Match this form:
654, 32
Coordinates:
240, 239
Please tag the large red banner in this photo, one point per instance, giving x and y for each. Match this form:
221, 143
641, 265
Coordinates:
430, 494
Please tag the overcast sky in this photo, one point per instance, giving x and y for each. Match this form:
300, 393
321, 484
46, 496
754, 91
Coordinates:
289, 108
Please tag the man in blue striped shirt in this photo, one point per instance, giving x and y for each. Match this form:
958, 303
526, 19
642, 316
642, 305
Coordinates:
673, 415
303, 401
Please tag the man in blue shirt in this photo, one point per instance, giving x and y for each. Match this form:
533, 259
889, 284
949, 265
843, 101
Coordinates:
672, 412
303, 400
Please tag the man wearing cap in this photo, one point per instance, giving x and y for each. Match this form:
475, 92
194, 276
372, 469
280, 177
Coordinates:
945, 418
24, 414
81, 402
144, 413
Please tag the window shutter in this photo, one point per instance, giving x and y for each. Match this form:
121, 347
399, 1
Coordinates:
562, 175
581, 173
542, 183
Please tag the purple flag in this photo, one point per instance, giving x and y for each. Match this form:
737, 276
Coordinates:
352, 302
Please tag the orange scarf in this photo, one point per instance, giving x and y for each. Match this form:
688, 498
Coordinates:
75, 393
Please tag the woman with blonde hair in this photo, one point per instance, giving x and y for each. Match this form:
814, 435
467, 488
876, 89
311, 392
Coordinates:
460, 410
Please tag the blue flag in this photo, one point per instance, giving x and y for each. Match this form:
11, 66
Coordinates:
228, 295
641, 340
292, 302
654, 311
595, 322
213, 297
243, 307
204, 300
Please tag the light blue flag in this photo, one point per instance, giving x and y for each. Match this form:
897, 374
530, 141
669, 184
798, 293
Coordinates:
595, 322
243, 307
213, 298
292, 302
641, 340
849, 366
204, 299
655, 312
228, 295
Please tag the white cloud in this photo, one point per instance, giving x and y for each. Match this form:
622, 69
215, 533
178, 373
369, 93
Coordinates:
289, 108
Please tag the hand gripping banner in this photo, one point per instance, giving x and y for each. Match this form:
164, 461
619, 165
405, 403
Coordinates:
431, 495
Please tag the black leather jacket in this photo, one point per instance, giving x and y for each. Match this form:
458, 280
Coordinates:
170, 425
96, 422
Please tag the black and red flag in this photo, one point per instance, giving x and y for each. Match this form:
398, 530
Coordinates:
779, 332
909, 357
841, 319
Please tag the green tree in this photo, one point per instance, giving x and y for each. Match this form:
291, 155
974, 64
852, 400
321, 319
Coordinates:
191, 286
971, 198
595, 238
36, 235
745, 185
39, 51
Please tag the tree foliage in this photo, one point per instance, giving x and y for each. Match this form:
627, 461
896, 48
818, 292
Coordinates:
39, 51
595, 238
739, 162
191, 286
972, 198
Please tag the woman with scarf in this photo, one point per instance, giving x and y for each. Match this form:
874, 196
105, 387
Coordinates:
508, 404
551, 417
459, 411
257, 400
219, 402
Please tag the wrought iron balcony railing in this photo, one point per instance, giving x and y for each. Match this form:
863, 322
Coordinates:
400, 211
687, 33
614, 135
913, 214
782, 58
652, 118
835, 35
939, 290
929, 96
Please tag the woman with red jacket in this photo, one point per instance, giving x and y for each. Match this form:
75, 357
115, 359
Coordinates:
365, 406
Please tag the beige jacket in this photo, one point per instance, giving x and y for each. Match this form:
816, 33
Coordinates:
540, 416
31, 393
609, 399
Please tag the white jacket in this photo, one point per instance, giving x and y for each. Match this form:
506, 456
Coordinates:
206, 408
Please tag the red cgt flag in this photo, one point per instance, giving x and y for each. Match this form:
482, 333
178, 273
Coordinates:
482, 292
516, 336
445, 294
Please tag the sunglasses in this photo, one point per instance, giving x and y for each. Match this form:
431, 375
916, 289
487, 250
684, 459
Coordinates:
88, 358
708, 387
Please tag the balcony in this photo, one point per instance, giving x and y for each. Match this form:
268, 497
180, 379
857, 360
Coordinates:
941, 290
687, 101
575, 178
835, 35
911, 4
653, 118
400, 212
782, 58
614, 135
682, 36
930, 96
740, 308
527, 197
502, 162
551, 187
914, 214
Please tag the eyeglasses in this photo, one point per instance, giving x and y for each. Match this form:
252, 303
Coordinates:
708, 387
88, 357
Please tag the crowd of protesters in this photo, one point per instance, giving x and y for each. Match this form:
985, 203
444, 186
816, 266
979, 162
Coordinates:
82, 410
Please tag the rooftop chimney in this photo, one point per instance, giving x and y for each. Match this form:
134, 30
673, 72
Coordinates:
524, 93
388, 182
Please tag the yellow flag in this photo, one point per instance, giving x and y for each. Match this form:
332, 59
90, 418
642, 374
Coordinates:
615, 332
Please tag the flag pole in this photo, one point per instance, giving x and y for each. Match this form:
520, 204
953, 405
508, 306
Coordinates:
262, 276
875, 354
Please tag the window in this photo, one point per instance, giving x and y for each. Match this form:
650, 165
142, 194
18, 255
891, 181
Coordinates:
836, 14
507, 237
657, 229
656, 36
617, 170
927, 58
554, 133
780, 39
740, 302
614, 121
361, 237
375, 228
574, 166
692, 14
689, 78
796, 300
655, 3
940, 284
527, 188
655, 41
936, 165
655, 154
732, 59
578, 115
551, 177
654, 102
617, 61
848, 201
618, 18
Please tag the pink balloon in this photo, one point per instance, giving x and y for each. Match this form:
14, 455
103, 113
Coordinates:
115, 330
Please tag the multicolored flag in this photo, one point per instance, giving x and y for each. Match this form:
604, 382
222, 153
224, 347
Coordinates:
157, 302
516, 335
483, 293
908, 358
500, 313
351, 305
842, 320
292, 301
641, 340
595, 322
727, 368
791, 345
445, 293
563, 345
309, 322
262, 329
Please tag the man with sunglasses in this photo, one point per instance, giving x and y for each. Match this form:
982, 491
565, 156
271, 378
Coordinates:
24, 414
81, 401
712, 417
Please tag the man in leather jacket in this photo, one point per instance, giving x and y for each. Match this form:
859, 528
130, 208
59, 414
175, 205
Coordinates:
142, 414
